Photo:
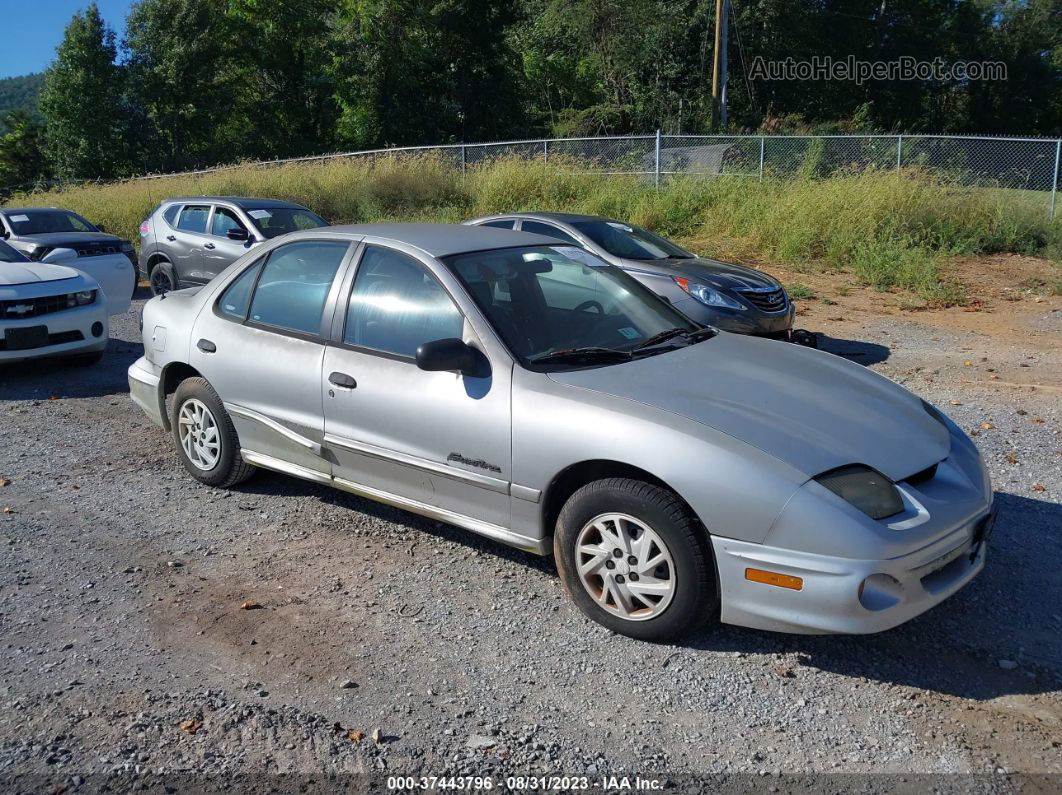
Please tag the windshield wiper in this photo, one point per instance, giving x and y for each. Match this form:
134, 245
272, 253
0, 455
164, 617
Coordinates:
696, 335
580, 354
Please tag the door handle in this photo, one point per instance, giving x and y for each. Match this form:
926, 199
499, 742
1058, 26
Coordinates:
171, 238
209, 245
342, 380
206, 346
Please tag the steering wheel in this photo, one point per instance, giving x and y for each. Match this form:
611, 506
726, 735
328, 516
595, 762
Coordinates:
585, 305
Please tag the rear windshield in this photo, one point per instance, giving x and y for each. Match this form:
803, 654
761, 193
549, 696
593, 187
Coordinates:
8, 254
277, 221
39, 222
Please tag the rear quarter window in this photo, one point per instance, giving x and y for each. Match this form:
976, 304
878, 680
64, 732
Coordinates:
170, 214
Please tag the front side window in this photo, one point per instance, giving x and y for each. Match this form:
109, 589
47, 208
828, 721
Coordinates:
546, 299
294, 285
277, 221
224, 220
9, 254
630, 242
539, 228
396, 305
193, 218
39, 222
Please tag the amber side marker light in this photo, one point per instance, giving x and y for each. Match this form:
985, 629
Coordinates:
774, 578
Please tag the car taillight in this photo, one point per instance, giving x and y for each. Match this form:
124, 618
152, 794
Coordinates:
145, 228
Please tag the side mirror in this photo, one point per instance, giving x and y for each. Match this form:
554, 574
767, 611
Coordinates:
237, 233
449, 354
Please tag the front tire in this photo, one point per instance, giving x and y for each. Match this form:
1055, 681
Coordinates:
205, 438
633, 557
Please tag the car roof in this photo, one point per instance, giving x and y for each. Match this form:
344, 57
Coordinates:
567, 218
243, 202
443, 240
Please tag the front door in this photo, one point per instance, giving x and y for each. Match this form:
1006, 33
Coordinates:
268, 323
219, 251
437, 438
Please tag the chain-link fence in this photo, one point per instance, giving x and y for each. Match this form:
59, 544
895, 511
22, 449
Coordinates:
1024, 170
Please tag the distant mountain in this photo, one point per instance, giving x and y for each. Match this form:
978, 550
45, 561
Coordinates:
20, 92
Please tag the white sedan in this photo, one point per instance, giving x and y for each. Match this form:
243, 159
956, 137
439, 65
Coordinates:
47, 309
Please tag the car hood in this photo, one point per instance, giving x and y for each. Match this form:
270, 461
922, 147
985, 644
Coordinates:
723, 275
64, 239
33, 272
810, 409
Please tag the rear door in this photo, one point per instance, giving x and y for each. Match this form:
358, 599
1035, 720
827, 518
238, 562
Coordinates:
261, 343
219, 251
186, 243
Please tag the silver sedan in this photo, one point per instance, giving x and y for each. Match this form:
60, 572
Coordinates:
528, 391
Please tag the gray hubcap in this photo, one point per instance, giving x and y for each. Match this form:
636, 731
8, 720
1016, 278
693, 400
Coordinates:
625, 566
198, 432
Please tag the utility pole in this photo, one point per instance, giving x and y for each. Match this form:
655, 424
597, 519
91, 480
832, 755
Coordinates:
719, 67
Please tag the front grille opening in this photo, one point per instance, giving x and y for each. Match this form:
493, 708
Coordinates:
773, 301
923, 475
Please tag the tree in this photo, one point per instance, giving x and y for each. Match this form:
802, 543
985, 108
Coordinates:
81, 100
183, 77
21, 156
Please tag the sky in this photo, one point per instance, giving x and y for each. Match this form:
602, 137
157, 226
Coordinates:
32, 29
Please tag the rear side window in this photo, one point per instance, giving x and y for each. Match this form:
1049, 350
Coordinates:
396, 305
548, 230
170, 214
500, 224
193, 218
237, 296
294, 284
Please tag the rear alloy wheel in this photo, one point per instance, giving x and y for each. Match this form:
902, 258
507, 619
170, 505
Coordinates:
161, 279
205, 438
634, 558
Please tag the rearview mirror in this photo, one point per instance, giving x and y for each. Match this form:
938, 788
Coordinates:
237, 233
449, 354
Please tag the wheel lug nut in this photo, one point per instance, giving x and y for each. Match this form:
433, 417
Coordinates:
632, 560
619, 578
634, 577
617, 553
610, 564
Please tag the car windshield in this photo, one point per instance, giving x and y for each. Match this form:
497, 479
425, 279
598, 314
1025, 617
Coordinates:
630, 242
39, 222
561, 302
8, 254
277, 221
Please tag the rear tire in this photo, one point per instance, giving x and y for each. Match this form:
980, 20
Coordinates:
204, 436
161, 279
661, 584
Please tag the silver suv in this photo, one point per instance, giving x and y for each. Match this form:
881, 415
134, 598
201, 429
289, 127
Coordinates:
528, 391
190, 240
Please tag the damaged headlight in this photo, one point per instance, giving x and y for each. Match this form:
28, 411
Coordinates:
866, 489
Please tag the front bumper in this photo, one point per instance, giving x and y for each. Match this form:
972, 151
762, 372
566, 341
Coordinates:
144, 389
69, 332
737, 321
830, 600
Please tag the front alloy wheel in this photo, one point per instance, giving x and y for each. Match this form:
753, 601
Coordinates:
625, 566
634, 557
204, 435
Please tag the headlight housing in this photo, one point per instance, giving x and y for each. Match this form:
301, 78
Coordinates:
85, 297
865, 488
708, 296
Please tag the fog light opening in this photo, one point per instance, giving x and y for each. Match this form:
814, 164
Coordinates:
880, 592
774, 578
97, 329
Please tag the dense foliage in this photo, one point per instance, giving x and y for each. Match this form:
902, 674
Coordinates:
20, 93
198, 82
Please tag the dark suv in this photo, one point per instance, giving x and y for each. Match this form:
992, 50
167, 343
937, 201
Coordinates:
189, 240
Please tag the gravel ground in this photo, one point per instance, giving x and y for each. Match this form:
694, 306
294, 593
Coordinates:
382, 643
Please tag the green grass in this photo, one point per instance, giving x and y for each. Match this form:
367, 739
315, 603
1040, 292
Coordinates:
888, 230
800, 291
